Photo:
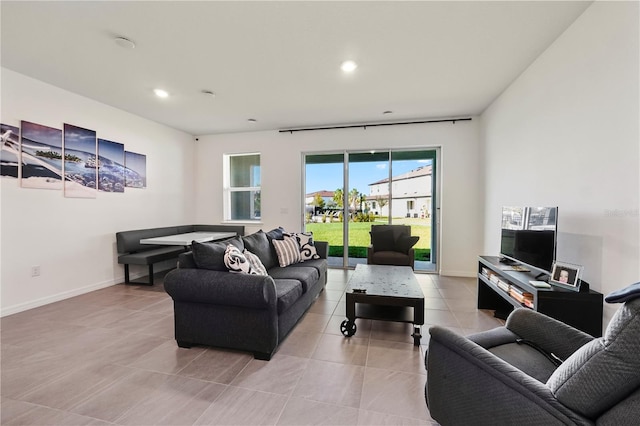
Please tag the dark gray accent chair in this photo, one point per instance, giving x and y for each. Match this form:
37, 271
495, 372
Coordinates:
490, 379
384, 251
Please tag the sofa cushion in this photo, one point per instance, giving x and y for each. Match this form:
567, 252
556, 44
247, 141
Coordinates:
319, 265
391, 258
258, 244
151, 256
287, 292
211, 255
308, 276
288, 251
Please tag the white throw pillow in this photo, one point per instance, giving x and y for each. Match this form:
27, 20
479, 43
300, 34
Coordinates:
237, 262
307, 248
256, 265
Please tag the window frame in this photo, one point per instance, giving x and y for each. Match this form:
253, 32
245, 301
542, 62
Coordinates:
228, 190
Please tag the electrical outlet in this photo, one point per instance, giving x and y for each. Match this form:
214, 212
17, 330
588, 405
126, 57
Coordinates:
35, 271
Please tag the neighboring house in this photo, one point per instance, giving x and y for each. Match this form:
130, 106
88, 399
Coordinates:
411, 194
327, 196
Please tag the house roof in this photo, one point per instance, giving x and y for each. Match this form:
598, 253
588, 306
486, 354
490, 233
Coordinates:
421, 171
323, 194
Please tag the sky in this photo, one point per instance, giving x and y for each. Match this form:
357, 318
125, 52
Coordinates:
328, 177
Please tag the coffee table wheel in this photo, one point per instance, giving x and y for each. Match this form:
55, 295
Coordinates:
348, 328
416, 336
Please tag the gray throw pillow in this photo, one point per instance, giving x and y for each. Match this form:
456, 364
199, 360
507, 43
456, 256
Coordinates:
258, 244
405, 242
211, 255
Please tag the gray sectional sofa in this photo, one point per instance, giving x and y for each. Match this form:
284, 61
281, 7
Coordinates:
215, 307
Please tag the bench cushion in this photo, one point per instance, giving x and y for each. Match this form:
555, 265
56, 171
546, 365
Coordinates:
149, 257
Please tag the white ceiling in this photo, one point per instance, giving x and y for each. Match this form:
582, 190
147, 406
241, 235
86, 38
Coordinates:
278, 62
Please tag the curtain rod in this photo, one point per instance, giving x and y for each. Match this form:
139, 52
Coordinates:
364, 126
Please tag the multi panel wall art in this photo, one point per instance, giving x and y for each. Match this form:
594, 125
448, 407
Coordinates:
73, 159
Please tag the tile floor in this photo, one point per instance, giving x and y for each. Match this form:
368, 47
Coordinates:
109, 357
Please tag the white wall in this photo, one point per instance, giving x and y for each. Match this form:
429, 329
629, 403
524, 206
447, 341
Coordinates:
282, 192
73, 240
566, 133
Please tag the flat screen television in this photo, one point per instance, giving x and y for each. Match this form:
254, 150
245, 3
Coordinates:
528, 236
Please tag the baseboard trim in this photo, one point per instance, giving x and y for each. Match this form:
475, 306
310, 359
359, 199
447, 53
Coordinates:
21, 307
463, 274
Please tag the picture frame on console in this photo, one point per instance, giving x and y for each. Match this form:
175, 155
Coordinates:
566, 275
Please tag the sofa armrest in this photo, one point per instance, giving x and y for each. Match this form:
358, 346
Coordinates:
464, 379
322, 248
550, 334
221, 288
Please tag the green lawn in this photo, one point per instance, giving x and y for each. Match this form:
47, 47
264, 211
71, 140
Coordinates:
359, 237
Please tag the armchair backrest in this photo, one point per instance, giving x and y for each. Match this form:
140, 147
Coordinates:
605, 371
398, 230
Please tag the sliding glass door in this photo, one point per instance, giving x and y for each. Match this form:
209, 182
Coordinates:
347, 192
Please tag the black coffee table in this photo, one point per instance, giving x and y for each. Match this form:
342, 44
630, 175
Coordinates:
388, 293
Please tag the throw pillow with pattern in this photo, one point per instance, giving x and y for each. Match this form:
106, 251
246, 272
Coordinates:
235, 261
256, 265
307, 248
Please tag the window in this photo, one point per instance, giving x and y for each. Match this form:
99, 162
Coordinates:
242, 187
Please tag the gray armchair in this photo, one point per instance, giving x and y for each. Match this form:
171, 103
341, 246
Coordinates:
391, 245
536, 370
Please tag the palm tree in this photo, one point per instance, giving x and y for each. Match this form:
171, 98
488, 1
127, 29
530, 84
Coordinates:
337, 197
354, 197
318, 202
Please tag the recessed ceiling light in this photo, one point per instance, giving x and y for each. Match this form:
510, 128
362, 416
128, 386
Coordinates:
252, 120
348, 66
209, 93
124, 42
161, 93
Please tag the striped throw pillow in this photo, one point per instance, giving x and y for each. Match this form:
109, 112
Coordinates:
288, 251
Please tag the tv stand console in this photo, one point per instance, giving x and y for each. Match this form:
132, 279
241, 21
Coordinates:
582, 310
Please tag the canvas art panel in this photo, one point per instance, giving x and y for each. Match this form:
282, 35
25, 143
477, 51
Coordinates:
80, 162
135, 170
110, 166
10, 152
40, 156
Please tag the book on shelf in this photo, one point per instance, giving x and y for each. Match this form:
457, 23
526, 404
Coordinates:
503, 285
528, 303
519, 294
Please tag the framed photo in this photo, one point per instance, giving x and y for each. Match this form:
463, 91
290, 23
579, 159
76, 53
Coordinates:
566, 275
